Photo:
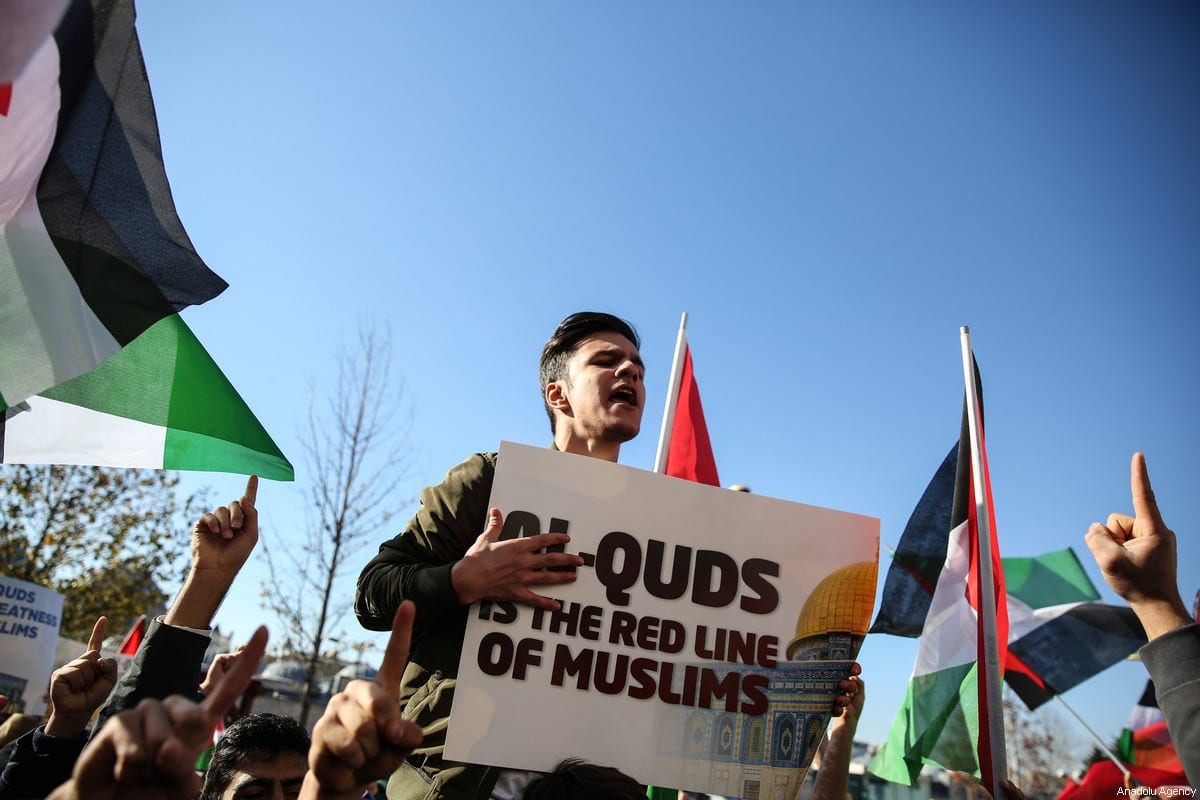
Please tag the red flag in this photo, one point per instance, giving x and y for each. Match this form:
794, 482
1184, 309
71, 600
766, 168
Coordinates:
133, 639
690, 455
1103, 781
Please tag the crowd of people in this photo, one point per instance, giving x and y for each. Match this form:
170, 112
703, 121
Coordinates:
140, 737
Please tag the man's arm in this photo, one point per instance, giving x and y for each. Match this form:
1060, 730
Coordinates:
415, 565
168, 660
833, 778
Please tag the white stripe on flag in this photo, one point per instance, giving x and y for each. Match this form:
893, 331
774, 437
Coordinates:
50, 335
80, 436
951, 633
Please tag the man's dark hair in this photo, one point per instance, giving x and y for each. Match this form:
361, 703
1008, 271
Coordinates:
257, 737
571, 331
576, 779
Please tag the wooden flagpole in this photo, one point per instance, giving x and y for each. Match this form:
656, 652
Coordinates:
664, 437
987, 594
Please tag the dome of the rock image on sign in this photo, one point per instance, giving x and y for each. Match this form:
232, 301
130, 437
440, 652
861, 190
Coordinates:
836, 614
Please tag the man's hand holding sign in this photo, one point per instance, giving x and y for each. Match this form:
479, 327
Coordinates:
494, 569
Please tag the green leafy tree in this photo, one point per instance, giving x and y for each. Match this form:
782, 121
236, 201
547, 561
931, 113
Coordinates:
108, 540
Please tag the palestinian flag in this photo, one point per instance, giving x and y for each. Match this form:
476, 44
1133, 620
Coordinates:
945, 717
920, 555
1058, 635
205, 758
92, 252
160, 403
1146, 711
1150, 746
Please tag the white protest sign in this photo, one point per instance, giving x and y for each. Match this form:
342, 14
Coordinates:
29, 620
700, 647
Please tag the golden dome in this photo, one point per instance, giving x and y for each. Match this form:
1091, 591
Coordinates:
841, 603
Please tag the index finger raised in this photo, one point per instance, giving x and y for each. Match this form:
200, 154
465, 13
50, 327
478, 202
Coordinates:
97, 637
230, 686
251, 491
395, 657
1144, 504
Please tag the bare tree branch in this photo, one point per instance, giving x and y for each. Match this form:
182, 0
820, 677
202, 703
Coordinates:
358, 455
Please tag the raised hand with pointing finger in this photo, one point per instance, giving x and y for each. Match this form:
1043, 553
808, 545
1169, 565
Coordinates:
80, 687
222, 540
362, 737
1137, 557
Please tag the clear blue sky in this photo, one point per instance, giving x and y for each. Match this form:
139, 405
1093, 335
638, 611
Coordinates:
830, 190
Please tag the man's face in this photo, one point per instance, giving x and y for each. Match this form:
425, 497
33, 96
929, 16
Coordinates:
278, 778
605, 388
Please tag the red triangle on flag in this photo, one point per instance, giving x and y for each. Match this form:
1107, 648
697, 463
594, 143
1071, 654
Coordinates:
133, 639
5, 98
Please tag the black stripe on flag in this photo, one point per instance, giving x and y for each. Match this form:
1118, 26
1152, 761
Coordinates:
103, 193
1069, 649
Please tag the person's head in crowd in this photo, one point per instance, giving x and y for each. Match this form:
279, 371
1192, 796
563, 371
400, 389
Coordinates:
261, 755
576, 779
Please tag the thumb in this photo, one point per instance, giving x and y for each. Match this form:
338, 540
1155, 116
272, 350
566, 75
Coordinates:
495, 524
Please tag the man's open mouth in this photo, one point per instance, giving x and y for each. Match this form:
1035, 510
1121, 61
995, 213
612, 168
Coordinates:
625, 395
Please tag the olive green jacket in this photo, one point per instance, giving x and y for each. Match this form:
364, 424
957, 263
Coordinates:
415, 565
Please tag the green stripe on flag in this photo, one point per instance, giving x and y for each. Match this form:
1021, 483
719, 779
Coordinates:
938, 724
1052, 579
135, 383
167, 379
184, 450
